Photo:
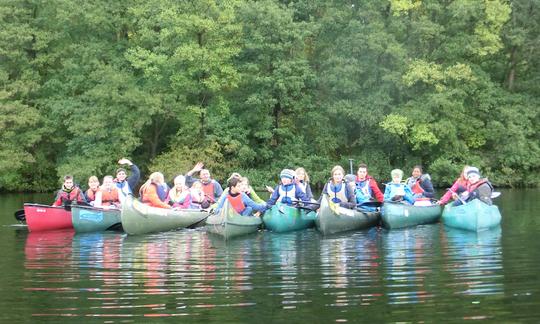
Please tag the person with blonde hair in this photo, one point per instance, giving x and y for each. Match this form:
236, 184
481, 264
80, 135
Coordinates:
458, 187
179, 195
302, 179
149, 191
108, 194
338, 190
93, 189
398, 191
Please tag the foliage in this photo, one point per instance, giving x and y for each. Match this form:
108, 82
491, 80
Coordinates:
257, 86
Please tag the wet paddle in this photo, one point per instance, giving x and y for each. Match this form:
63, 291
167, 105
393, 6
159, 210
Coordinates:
20, 216
495, 194
370, 204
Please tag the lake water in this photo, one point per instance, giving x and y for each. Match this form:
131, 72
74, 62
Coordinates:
427, 273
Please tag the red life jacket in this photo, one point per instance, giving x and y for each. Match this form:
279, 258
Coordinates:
474, 186
208, 189
109, 197
236, 202
416, 188
72, 196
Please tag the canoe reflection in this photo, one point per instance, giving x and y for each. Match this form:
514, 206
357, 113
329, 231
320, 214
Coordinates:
474, 260
48, 249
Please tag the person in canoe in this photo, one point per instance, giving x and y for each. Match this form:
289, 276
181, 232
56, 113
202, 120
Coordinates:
302, 179
397, 191
69, 194
420, 184
477, 188
126, 184
287, 191
211, 188
93, 189
179, 195
108, 194
148, 192
248, 190
459, 186
338, 190
367, 188
199, 200
238, 199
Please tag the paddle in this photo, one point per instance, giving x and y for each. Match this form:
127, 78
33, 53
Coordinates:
495, 194
350, 165
458, 197
370, 204
20, 216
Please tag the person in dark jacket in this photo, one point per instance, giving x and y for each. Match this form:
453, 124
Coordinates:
124, 184
69, 194
477, 188
420, 183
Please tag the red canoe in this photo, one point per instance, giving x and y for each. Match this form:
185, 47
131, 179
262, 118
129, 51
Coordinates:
44, 217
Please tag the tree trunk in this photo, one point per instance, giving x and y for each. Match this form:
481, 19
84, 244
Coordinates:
512, 73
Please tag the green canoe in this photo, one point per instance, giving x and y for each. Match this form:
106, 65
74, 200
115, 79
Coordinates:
283, 218
398, 215
93, 219
473, 216
334, 219
228, 223
138, 218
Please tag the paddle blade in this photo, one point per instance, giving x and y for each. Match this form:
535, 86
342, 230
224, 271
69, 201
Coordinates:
370, 204
495, 194
20, 216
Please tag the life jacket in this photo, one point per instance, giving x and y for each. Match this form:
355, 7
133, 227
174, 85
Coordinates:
208, 189
287, 196
71, 196
472, 187
415, 185
337, 193
364, 187
123, 187
236, 202
178, 197
396, 189
109, 197
143, 189
302, 185
91, 194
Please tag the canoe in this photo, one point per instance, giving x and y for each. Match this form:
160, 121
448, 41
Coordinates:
283, 218
44, 217
333, 219
93, 219
138, 218
398, 215
473, 216
228, 223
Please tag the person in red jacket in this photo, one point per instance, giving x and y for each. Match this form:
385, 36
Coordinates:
69, 194
366, 187
149, 191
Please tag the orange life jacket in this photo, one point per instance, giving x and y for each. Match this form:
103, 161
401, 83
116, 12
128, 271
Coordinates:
91, 195
109, 197
236, 202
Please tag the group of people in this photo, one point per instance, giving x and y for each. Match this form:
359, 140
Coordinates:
349, 191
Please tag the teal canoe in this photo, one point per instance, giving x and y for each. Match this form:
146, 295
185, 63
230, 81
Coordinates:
283, 218
138, 218
473, 216
228, 223
398, 215
332, 218
93, 219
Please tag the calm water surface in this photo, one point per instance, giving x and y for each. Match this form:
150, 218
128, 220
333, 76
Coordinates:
427, 273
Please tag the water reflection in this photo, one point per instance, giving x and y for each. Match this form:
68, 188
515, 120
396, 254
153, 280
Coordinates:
408, 261
474, 260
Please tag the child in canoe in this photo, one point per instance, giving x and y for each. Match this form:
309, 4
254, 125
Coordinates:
238, 199
397, 191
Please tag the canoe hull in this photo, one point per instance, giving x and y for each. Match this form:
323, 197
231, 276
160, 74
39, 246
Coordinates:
473, 216
138, 218
92, 219
333, 219
398, 215
45, 218
283, 218
229, 223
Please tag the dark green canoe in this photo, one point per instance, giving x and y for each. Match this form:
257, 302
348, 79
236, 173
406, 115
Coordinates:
284, 218
93, 219
228, 223
138, 218
332, 218
398, 215
472, 216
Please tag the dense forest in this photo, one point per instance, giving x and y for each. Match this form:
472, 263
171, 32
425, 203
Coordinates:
255, 86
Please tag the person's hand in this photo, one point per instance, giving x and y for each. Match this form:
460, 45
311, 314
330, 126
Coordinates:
125, 161
438, 202
269, 189
198, 167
